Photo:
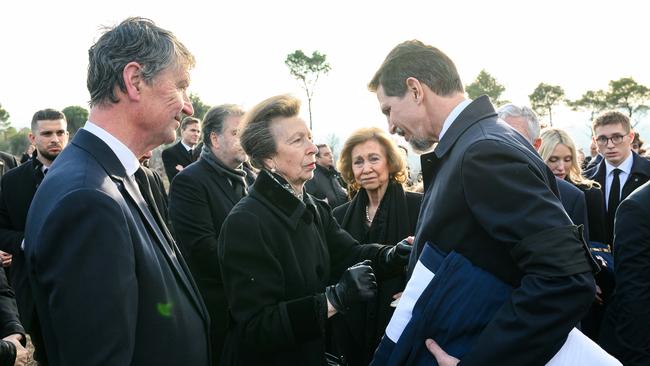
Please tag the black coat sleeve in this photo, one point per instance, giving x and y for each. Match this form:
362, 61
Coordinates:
345, 251
9, 322
512, 206
632, 272
10, 239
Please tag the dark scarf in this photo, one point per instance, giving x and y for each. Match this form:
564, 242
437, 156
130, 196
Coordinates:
391, 222
235, 176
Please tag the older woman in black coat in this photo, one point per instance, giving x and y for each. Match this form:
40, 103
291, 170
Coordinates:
282, 253
379, 212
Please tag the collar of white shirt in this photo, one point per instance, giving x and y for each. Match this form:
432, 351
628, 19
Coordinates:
625, 166
453, 115
187, 147
123, 153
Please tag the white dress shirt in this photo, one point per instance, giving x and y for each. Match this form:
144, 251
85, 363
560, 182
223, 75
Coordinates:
625, 167
453, 115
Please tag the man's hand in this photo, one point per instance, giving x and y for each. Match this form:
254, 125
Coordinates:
22, 356
179, 167
441, 356
5, 258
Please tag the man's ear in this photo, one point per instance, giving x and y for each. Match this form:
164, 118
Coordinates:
32, 138
133, 81
414, 89
214, 140
537, 143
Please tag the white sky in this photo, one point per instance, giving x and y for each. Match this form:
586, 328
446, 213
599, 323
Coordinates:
241, 45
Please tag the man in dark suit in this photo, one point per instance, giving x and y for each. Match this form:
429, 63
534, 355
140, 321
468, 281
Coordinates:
490, 198
624, 332
7, 162
621, 168
109, 284
200, 198
183, 153
524, 120
325, 184
152, 188
50, 136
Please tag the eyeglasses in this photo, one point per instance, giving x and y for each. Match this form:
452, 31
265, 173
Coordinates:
616, 139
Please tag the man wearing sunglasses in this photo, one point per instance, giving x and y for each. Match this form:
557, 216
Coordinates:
622, 170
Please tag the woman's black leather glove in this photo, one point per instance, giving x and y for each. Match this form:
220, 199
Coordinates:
357, 284
398, 255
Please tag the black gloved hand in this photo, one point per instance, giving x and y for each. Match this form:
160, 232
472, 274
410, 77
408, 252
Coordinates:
398, 255
356, 285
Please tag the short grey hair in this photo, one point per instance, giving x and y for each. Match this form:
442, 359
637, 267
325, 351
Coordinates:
214, 118
134, 40
511, 110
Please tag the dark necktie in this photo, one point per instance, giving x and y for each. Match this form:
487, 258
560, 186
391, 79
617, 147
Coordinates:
614, 198
191, 152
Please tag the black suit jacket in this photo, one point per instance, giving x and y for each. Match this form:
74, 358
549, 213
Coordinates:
624, 332
7, 162
109, 284
200, 198
177, 155
491, 198
639, 174
18, 189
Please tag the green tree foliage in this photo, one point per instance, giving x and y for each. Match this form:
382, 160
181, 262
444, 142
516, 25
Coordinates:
307, 70
544, 98
628, 95
593, 101
623, 94
200, 108
76, 117
17, 143
488, 85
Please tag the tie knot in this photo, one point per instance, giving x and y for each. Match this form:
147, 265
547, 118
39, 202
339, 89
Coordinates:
616, 172
45, 170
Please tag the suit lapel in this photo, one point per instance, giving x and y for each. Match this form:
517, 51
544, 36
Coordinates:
164, 240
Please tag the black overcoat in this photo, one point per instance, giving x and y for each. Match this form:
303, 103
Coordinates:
200, 198
490, 197
277, 255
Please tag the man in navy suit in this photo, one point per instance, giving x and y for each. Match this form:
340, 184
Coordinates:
621, 168
109, 284
184, 153
490, 198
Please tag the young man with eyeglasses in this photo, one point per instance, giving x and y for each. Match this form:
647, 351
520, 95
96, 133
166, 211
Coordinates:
621, 168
